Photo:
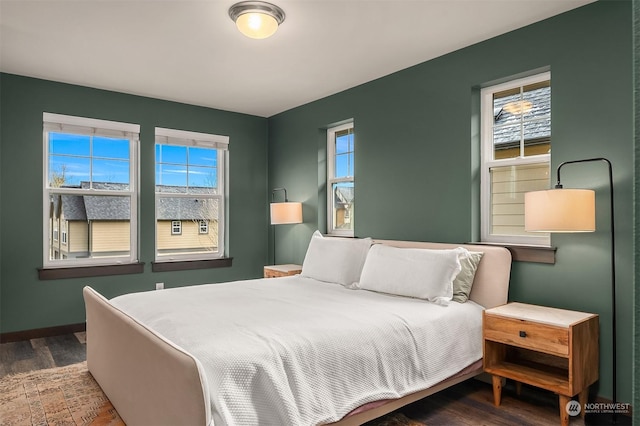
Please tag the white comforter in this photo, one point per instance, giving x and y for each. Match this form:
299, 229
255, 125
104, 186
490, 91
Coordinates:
295, 351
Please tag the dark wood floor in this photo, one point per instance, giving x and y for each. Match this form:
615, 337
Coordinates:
38, 354
468, 404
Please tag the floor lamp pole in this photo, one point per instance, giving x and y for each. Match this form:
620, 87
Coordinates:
274, 243
613, 269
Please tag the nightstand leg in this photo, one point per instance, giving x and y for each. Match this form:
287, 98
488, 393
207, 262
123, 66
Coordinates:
497, 389
564, 416
583, 398
518, 388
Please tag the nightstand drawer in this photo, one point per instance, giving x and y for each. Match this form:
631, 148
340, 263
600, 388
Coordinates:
529, 335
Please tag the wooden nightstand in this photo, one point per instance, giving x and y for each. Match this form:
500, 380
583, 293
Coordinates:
550, 348
273, 271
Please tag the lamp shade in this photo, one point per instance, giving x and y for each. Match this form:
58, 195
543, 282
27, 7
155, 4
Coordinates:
560, 210
286, 213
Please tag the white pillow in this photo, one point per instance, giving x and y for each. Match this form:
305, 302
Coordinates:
421, 273
335, 260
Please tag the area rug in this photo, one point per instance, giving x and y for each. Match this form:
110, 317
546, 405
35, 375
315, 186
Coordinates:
70, 396
57, 396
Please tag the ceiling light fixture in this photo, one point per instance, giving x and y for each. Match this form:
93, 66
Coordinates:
256, 19
518, 107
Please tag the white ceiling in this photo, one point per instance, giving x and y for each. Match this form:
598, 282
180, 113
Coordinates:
190, 51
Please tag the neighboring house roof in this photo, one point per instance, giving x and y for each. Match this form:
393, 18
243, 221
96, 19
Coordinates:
537, 120
95, 207
344, 194
187, 209
107, 208
72, 206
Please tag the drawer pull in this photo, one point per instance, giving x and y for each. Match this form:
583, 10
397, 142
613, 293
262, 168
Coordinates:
523, 333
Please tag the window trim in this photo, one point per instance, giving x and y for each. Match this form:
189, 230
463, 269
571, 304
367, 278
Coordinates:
90, 126
176, 227
331, 179
487, 162
165, 136
203, 227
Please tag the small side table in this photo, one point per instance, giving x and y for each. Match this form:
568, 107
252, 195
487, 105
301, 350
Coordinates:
553, 349
274, 271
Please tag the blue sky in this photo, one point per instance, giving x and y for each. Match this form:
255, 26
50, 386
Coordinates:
72, 154
182, 166
86, 158
344, 155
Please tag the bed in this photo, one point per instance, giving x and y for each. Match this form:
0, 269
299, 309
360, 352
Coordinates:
156, 367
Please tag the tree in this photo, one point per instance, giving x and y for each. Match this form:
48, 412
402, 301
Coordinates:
58, 178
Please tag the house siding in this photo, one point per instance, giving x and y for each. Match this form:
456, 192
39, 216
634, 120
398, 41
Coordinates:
110, 236
189, 239
78, 237
508, 186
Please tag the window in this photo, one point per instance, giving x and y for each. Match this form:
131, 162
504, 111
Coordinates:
190, 195
204, 227
90, 191
340, 180
176, 227
64, 233
516, 153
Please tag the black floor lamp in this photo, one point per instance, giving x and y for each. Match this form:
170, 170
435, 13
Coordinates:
283, 213
573, 210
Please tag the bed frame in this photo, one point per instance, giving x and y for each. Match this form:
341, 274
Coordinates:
149, 380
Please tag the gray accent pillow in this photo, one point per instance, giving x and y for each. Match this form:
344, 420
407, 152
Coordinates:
463, 282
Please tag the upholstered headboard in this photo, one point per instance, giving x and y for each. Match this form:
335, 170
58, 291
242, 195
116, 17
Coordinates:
491, 283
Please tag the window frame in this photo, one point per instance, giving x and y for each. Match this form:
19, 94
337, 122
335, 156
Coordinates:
331, 179
488, 162
176, 227
165, 136
203, 227
60, 123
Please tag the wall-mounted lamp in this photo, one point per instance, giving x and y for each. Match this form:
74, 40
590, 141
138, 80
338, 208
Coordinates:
283, 213
256, 19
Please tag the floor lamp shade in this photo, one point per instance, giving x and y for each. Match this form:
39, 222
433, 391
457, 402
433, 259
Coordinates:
285, 213
560, 210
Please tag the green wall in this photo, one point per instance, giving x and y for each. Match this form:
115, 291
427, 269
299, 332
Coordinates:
417, 158
27, 303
